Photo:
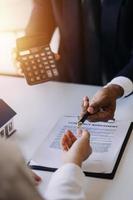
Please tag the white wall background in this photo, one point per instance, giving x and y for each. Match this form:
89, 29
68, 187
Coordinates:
14, 14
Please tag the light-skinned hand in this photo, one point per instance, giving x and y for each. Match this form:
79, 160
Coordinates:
76, 150
37, 179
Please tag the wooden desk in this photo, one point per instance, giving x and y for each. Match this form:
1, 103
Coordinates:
39, 107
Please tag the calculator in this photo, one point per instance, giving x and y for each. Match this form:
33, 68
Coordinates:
36, 59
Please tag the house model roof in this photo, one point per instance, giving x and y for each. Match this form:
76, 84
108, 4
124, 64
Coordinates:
6, 113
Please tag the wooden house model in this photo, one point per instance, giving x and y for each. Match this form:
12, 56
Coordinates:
6, 119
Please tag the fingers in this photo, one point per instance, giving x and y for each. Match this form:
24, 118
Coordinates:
103, 113
98, 101
79, 150
64, 143
85, 135
102, 106
86, 101
84, 144
85, 104
67, 140
57, 56
37, 178
101, 116
71, 136
79, 132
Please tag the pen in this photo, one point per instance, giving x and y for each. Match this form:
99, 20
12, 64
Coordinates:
82, 120
41, 168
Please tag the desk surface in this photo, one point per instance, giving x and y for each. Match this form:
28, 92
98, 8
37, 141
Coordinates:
39, 107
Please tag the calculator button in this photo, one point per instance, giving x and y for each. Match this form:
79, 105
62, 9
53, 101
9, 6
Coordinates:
53, 66
47, 48
48, 52
42, 71
36, 55
44, 58
47, 67
36, 72
30, 74
26, 63
32, 61
32, 79
55, 72
28, 68
40, 66
31, 57
49, 73
42, 54
22, 53
38, 78
34, 67
50, 57
45, 63
38, 60
24, 58
51, 61
43, 76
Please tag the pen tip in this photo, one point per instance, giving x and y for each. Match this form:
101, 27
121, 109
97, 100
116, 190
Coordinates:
79, 124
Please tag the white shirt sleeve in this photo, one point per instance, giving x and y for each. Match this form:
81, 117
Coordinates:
124, 82
66, 184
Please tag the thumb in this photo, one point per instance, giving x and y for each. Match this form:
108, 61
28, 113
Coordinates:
95, 106
85, 135
57, 56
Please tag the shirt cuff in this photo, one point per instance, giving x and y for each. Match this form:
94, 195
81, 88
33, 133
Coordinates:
66, 183
124, 82
70, 170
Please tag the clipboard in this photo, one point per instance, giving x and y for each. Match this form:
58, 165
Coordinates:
108, 175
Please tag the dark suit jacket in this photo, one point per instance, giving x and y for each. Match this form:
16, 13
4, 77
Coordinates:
94, 38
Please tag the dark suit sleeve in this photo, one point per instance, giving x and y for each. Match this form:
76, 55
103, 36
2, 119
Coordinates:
127, 71
42, 19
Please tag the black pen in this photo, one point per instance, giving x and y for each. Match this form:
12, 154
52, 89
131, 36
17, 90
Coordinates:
82, 120
42, 168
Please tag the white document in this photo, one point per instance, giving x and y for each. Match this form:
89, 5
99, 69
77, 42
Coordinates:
106, 139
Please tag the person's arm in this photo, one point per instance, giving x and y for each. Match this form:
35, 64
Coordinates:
123, 83
124, 79
42, 19
127, 71
103, 104
68, 181
16, 180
